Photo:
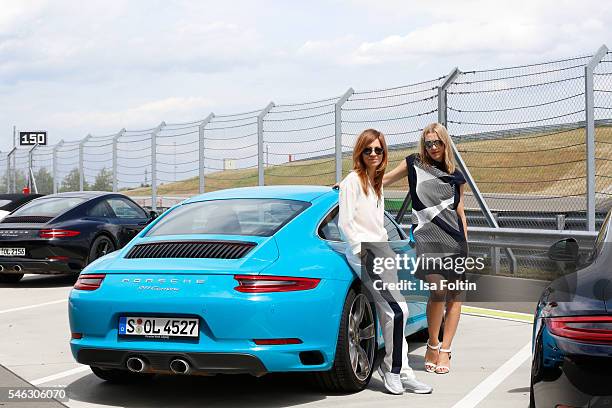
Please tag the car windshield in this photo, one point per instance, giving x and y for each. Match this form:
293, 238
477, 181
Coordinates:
261, 217
48, 207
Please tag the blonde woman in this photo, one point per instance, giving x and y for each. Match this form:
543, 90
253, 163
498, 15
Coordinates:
439, 228
361, 219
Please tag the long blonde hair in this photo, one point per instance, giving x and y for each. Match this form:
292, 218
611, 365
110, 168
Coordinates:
365, 138
449, 156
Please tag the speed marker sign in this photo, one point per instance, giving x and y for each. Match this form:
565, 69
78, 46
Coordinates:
33, 138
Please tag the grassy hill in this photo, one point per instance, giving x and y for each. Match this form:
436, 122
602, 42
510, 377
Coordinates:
549, 163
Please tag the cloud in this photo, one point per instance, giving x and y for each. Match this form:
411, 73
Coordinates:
455, 38
172, 109
94, 67
100, 42
327, 50
450, 29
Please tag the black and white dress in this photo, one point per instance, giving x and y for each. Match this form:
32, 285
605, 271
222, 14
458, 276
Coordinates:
436, 226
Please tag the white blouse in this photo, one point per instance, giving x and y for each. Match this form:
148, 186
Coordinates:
361, 217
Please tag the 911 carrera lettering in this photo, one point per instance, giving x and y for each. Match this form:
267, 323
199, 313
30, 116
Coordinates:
144, 287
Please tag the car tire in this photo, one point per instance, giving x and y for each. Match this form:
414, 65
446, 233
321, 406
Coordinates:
101, 246
10, 277
349, 375
116, 376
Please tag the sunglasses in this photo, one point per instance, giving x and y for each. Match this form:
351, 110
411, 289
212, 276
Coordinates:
431, 143
368, 151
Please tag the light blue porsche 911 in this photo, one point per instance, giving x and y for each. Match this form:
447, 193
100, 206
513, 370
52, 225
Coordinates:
248, 280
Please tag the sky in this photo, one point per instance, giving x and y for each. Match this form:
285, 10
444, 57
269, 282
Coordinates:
77, 68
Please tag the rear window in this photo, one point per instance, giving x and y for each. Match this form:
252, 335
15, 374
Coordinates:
49, 207
261, 217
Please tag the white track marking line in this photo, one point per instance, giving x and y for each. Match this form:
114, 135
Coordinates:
57, 376
491, 382
17, 309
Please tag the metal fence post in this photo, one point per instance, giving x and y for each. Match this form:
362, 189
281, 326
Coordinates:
55, 179
31, 179
260, 150
338, 131
154, 165
589, 102
81, 175
8, 172
201, 163
443, 119
115, 140
442, 94
8, 176
15, 171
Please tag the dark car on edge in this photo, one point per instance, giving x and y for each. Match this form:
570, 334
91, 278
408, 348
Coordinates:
62, 233
572, 334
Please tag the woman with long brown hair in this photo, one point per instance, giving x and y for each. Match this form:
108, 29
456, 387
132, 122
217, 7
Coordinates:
439, 228
361, 219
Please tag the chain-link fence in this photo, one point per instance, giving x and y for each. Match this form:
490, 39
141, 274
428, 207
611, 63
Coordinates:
4, 170
602, 90
400, 113
522, 131
298, 143
42, 169
230, 151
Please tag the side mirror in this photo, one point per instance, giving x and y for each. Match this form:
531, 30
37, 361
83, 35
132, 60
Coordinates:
565, 250
153, 215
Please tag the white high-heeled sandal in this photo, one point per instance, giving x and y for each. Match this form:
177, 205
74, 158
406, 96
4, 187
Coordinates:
430, 366
443, 369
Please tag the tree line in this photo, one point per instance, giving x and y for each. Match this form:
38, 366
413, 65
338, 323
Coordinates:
44, 181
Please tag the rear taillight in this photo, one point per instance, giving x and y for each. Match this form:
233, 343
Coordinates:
89, 281
58, 258
589, 329
263, 284
57, 233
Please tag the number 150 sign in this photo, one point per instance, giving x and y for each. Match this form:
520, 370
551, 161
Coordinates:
32, 138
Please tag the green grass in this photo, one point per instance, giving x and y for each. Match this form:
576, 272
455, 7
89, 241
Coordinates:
534, 164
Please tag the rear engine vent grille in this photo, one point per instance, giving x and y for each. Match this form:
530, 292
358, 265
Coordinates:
201, 249
32, 219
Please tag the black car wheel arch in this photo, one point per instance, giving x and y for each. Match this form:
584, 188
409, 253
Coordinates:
100, 239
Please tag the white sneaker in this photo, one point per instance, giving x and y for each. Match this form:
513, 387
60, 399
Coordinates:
415, 386
392, 382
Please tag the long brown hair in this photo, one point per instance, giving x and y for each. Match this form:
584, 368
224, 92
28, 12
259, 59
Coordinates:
449, 156
365, 138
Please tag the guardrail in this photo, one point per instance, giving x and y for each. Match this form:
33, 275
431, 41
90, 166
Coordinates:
524, 242
527, 238
489, 242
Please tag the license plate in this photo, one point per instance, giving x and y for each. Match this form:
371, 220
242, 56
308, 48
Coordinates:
158, 327
12, 251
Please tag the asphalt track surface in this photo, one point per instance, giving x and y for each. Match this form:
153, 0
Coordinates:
490, 364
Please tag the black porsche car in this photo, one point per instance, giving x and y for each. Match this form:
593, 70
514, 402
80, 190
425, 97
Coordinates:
572, 336
62, 233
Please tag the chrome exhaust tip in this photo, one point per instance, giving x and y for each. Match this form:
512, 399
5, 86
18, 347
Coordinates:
1, 268
136, 365
179, 366
17, 268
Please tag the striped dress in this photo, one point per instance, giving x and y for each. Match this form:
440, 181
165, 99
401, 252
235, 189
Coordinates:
436, 226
